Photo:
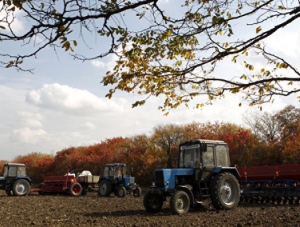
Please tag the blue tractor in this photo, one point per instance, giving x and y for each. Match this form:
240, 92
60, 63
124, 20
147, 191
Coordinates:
115, 179
15, 180
204, 174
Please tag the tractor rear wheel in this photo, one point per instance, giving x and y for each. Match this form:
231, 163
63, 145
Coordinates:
21, 188
224, 191
121, 192
180, 202
152, 202
137, 192
75, 189
104, 188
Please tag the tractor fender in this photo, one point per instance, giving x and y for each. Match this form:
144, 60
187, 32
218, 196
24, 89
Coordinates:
24, 178
232, 170
188, 189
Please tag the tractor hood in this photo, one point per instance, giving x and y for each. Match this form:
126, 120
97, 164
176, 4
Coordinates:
165, 178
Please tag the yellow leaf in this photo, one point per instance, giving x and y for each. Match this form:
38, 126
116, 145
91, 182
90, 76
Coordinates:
258, 29
66, 45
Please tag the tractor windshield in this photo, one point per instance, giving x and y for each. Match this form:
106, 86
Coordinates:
21, 171
189, 156
115, 170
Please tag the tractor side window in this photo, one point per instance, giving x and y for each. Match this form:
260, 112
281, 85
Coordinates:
12, 171
111, 171
106, 171
21, 172
118, 172
208, 157
124, 171
222, 156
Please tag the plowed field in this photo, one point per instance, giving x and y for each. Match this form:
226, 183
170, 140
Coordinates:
91, 210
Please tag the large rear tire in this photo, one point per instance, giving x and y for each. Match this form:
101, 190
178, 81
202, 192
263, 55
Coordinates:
75, 189
180, 202
224, 191
21, 188
152, 202
104, 188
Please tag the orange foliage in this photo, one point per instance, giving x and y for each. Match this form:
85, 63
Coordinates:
146, 153
291, 150
2, 162
38, 164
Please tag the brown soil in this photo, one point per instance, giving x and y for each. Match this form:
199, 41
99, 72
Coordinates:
91, 210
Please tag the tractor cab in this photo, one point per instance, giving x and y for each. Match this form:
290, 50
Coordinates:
116, 179
203, 153
115, 171
11, 171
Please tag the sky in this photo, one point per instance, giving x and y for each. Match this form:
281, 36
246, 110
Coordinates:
62, 104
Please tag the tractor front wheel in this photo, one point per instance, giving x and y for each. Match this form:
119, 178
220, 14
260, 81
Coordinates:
75, 189
121, 192
137, 192
104, 188
224, 191
180, 202
152, 202
21, 188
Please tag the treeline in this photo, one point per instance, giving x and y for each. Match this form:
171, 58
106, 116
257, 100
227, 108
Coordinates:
270, 139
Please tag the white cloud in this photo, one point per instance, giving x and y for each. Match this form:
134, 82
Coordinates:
285, 42
98, 64
105, 65
17, 25
72, 100
28, 136
32, 120
87, 125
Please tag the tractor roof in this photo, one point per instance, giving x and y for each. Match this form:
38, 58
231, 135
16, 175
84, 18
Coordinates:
115, 164
14, 164
200, 141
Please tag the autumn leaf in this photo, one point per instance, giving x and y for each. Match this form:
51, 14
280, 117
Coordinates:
258, 29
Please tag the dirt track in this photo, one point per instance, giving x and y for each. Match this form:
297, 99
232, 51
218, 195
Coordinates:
91, 210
